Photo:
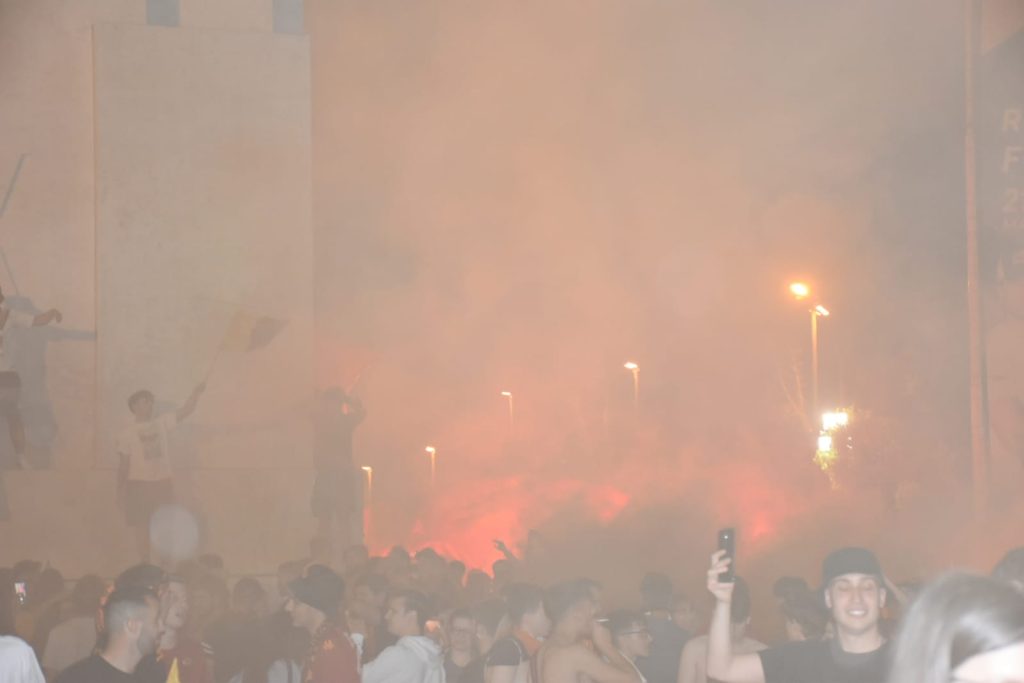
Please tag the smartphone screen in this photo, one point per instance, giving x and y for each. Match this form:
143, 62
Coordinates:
727, 542
21, 592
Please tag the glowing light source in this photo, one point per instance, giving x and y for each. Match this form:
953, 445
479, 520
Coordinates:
825, 443
834, 420
820, 310
635, 369
432, 452
369, 482
799, 290
511, 411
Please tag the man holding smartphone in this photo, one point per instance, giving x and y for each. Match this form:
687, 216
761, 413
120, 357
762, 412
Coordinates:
854, 592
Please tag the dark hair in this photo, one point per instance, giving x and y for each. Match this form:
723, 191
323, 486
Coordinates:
26, 569
124, 604
955, 618
620, 621
143, 575
1011, 568
739, 608
786, 585
522, 598
87, 595
415, 601
216, 587
138, 395
562, 597
49, 584
502, 566
375, 582
478, 576
398, 553
806, 610
656, 590
489, 614
681, 599
247, 594
211, 561
427, 553
270, 641
460, 613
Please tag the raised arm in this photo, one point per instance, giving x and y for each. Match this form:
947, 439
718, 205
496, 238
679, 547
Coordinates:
503, 549
189, 406
723, 665
46, 318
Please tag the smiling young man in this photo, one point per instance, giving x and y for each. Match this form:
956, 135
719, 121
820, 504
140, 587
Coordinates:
854, 593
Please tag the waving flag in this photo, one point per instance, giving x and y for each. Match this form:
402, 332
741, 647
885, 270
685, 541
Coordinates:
248, 332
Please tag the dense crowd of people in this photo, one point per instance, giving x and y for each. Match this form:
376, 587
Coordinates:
424, 619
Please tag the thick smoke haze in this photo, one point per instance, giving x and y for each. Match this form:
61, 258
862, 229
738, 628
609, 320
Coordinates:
524, 196
514, 197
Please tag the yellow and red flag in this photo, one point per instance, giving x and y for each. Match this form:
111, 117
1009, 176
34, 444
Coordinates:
248, 331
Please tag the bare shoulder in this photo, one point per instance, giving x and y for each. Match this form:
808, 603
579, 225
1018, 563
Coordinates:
579, 651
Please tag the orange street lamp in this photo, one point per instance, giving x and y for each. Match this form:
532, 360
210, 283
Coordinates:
635, 369
800, 290
433, 463
511, 410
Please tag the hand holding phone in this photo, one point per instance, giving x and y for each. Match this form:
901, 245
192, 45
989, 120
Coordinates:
727, 543
21, 592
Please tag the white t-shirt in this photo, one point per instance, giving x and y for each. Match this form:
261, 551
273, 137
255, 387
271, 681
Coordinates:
145, 444
18, 663
69, 641
14, 319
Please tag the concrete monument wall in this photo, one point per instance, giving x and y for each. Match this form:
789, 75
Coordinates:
165, 193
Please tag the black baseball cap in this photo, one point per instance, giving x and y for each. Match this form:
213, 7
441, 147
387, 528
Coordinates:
851, 560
